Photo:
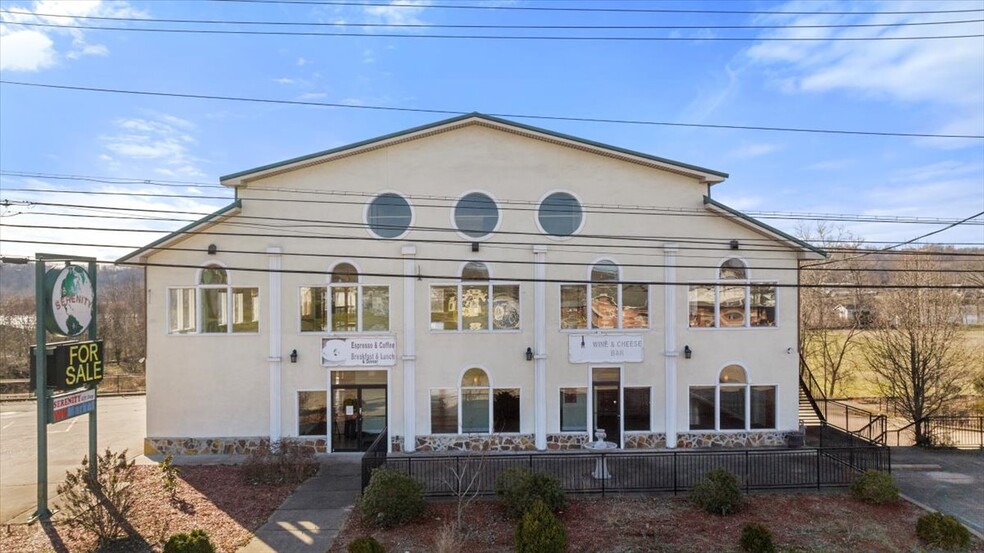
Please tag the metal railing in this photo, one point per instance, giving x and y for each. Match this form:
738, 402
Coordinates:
647, 471
962, 432
375, 456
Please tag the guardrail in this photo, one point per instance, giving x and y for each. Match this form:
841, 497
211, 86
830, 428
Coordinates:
962, 432
374, 457
645, 471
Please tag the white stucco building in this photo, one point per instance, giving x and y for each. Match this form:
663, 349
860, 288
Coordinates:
472, 280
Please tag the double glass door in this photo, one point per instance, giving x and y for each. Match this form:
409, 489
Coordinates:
358, 414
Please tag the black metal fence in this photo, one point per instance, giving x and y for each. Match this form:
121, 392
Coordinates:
960, 432
375, 456
642, 471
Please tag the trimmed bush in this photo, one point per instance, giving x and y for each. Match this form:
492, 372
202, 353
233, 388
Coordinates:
756, 538
367, 544
195, 541
942, 531
540, 531
719, 493
519, 488
392, 498
875, 486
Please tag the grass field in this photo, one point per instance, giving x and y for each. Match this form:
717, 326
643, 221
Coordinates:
860, 384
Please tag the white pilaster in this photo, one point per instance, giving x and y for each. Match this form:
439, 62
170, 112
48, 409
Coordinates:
409, 350
276, 343
669, 345
540, 346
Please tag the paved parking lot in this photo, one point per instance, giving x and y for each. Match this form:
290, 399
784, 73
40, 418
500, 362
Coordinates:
121, 426
949, 481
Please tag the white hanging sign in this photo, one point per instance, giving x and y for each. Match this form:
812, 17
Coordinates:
606, 348
377, 351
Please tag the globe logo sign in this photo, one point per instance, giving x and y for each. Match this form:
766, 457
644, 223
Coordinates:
70, 296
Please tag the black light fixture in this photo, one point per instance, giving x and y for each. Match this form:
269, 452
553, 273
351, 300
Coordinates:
293, 356
734, 244
212, 248
687, 352
529, 354
474, 246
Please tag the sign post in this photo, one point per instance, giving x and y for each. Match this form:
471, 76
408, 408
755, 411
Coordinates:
65, 302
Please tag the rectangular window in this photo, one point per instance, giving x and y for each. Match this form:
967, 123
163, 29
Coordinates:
475, 307
732, 309
637, 407
214, 310
635, 306
314, 315
444, 411
604, 306
312, 413
505, 410
444, 307
474, 410
505, 307
732, 408
763, 305
573, 306
573, 409
375, 308
763, 406
181, 306
245, 309
702, 408
344, 308
701, 299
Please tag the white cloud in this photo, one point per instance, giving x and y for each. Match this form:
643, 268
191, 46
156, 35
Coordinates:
284, 80
313, 96
748, 151
301, 62
24, 48
741, 202
832, 165
398, 12
162, 139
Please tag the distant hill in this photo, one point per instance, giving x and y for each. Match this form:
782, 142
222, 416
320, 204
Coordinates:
18, 280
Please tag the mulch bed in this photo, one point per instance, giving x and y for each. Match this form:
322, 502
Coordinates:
829, 522
213, 498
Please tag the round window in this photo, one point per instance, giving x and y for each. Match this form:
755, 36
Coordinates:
389, 215
476, 215
560, 214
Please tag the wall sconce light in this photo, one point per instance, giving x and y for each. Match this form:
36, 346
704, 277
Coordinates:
734, 244
474, 246
687, 352
529, 354
789, 351
293, 356
212, 248
582, 341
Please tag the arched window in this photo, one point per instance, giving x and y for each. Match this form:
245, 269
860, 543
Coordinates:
482, 409
212, 304
345, 305
733, 301
732, 404
613, 305
484, 305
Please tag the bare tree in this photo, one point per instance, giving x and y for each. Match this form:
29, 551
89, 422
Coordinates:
915, 354
833, 317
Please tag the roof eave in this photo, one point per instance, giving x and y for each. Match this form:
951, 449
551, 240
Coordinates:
182, 233
807, 250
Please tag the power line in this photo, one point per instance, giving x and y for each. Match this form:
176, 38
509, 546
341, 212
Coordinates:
476, 26
503, 115
501, 37
589, 10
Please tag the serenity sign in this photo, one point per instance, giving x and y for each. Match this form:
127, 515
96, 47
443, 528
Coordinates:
358, 352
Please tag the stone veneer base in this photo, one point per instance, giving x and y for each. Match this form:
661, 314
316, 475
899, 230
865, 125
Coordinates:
221, 446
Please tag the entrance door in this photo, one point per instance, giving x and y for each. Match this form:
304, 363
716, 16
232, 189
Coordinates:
606, 405
358, 410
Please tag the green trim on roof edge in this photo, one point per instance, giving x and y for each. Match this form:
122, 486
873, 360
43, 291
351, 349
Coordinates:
456, 119
756, 222
153, 245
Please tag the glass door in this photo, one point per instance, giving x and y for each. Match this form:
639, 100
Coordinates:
358, 407
606, 404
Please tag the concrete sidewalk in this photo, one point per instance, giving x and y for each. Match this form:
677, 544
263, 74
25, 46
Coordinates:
950, 481
312, 516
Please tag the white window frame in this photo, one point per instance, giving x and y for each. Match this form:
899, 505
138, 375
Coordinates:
491, 283
539, 204
748, 283
620, 307
359, 285
199, 288
365, 215
748, 402
297, 414
454, 222
460, 397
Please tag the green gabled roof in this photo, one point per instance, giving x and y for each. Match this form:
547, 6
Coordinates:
460, 118
185, 229
768, 228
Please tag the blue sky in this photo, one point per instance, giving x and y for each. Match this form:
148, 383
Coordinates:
925, 86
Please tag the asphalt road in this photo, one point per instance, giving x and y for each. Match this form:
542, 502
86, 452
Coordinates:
121, 426
947, 480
